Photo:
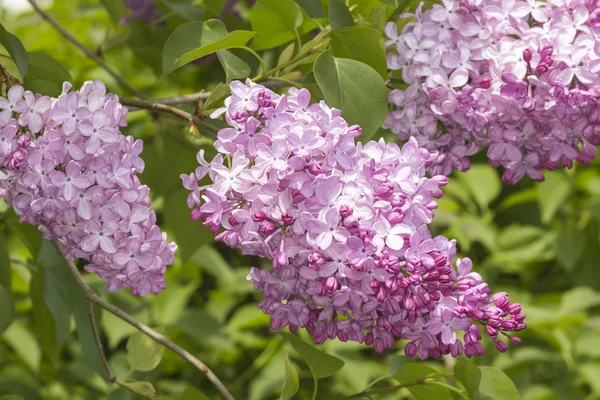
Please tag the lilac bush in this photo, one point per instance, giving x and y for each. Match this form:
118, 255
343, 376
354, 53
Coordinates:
517, 77
67, 169
346, 228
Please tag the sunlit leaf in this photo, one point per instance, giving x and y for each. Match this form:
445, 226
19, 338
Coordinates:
277, 22
291, 383
495, 385
197, 39
143, 353
553, 193
354, 88
15, 48
362, 44
142, 388
467, 373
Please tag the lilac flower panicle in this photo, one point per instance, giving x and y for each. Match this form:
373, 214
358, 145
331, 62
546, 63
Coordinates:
518, 77
66, 168
346, 228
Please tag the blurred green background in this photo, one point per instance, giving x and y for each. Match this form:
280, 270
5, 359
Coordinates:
538, 242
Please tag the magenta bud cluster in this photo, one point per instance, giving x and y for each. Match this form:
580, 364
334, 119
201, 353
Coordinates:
519, 78
345, 226
66, 168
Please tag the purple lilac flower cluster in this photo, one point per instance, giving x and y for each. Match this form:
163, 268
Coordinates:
520, 77
146, 10
66, 168
346, 228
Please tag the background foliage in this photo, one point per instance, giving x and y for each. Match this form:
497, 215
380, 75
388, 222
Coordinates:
539, 242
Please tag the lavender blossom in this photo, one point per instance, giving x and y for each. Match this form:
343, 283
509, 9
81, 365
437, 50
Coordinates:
66, 168
517, 77
346, 228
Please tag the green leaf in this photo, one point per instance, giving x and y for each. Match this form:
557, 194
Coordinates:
339, 15
484, 184
314, 8
570, 245
142, 388
194, 40
7, 313
321, 364
44, 321
217, 95
11, 397
362, 44
44, 87
410, 373
291, 384
354, 88
143, 353
189, 235
287, 54
577, 300
64, 297
277, 22
379, 18
24, 344
28, 234
193, 394
467, 373
115, 8
234, 67
495, 385
553, 193
15, 48
44, 67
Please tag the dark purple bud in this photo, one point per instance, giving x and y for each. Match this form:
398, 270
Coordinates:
527, 55
410, 350
267, 227
259, 216
287, 219
345, 211
374, 284
331, 284
501, 346
314, 169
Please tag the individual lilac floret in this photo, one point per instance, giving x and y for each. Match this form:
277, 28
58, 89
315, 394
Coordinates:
146, 10
66, 168
518, 77
345, 226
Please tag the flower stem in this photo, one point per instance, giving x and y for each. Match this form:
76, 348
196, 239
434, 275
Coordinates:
192, 119
92, 297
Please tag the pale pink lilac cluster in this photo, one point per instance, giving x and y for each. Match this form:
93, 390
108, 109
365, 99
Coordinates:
346, 228
519, 77
66, 168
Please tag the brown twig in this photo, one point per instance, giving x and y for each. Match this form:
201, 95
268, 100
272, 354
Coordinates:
85, 50
109, 374
92, 297
163, 108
